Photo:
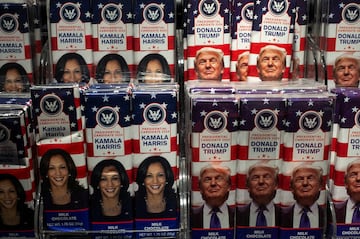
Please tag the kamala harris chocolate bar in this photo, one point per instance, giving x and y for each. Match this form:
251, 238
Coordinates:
112, 32
154, 33
15, 38
70, 30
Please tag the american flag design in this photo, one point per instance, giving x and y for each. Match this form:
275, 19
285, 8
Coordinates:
308, 124
154, 30
241, 25
342, 26
285, 174
56, 110
112, 30
24, 173
15, 40
208, 24
70, 29
108, 127
261, 127
298, 60
215, 122
273, 24
14, 141
155, 125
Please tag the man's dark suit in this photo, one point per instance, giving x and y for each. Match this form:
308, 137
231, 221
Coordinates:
197, 217
287, 218
243, 215
340, 211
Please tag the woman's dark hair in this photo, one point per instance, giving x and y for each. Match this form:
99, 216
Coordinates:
100, 68
19, 190
142, 171
44, 167
60, 65
96, 177
20, 69
141, 68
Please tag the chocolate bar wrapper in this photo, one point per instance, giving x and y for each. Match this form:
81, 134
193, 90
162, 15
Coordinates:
14, 142
242, 18
112, 29
273, 26
208, 25
15, 40
57, 111
108, 127
247, 228
200, 227
290, 230
261, 126
308, 128
299, 47
342, 28
154, 30
70, 30
348, 135
214, 131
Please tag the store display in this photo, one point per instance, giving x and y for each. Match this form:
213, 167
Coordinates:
156, 119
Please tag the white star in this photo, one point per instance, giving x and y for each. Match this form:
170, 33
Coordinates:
276, 111
94, 109
266, 101
311, 103
88, 14
153, 95
171, 15
321, 113
215, 103
129, 15
235, 123
341, 5
304, 17
71, 108
73, 125
346, 99
68, 92
255, 17
142, 106
242, 122
226, 10
100, 5
164, 105
298, 113
174, 115
162, 5
26, 25
195, 12
329, 123
331, 15
287, 123
105, 98
343, 120
355, 109
126, 97
142, 5
226, 113
78, 4
258, 2
58, 5
116, 108
203, 113
245, 101
121, 5
254, 111
127, 118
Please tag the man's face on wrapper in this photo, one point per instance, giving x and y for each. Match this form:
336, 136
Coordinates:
209, 66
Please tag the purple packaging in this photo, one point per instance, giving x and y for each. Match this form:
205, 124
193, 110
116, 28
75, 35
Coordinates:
154, 31
308, 128
70, 30
112, 29
15, 40
261, 124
